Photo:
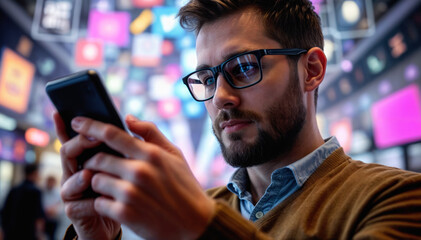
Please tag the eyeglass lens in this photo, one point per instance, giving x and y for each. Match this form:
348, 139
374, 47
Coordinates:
240, 72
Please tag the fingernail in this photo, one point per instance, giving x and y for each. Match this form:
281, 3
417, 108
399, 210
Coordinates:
76, 123
80, 178
130, 118
91, 139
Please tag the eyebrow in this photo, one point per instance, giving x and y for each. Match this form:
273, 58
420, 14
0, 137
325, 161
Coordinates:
225, 57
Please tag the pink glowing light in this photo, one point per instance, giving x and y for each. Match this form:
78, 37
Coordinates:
397, 118
110, 27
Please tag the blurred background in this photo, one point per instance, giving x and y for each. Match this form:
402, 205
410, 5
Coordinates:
370, 99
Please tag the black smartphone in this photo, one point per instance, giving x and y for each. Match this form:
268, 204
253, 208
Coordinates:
83, 94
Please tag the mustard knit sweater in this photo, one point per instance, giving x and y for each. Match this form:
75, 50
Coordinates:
343, 199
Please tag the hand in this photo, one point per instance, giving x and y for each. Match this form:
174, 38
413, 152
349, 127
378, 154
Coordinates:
80, 210
152, 191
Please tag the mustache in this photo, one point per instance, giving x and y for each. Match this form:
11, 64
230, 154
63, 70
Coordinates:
226, 115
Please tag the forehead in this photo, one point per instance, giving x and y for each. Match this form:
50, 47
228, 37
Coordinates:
238, 32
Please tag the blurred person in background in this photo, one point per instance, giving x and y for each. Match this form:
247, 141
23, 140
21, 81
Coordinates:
259, 66
52, 206
1, 229
22, 215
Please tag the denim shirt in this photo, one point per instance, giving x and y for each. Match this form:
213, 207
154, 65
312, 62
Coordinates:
284, 181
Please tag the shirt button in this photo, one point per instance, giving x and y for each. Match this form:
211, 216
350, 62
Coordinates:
259, 214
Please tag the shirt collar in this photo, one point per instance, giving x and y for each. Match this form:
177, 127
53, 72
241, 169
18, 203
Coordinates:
303, 168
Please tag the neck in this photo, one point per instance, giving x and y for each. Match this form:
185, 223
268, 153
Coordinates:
31, 178
307, 141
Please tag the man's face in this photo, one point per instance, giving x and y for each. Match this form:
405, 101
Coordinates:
260, 123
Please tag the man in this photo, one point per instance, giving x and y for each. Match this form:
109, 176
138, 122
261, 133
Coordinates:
260, 64
52, 205
22, 216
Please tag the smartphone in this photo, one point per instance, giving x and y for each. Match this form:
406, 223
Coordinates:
83, 94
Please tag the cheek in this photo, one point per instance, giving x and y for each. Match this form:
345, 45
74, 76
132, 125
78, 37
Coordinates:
267, 94
212, 111
276, 84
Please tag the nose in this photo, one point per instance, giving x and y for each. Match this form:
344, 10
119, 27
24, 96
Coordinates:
225, 96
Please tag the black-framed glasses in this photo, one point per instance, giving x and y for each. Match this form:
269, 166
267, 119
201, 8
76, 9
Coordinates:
240, 71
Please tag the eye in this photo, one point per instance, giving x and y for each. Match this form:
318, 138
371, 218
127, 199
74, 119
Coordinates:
244, 69
244, 66
209, 81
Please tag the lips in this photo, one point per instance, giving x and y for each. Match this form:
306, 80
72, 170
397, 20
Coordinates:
234, 125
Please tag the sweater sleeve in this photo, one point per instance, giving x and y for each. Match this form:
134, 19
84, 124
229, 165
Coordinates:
71, 234
225, 224
229, 224
396, 214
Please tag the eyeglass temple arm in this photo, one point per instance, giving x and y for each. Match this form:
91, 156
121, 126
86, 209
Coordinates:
290, 51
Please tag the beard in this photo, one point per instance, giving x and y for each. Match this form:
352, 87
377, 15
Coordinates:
286, 119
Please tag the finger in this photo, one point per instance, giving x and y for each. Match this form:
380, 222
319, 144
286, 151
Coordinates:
148, 131
127, 181
60, 127
137, 172
75, 186
123, 197
80, 209
111, 164
127, 213
115, 210
69, 152
111, 135
119, 189
75, 146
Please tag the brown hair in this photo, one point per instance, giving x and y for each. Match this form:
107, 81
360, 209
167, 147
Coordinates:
293, 23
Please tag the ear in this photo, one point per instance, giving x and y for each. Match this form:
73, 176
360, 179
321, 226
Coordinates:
315, 65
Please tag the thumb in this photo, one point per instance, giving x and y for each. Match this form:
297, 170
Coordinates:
147, 130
